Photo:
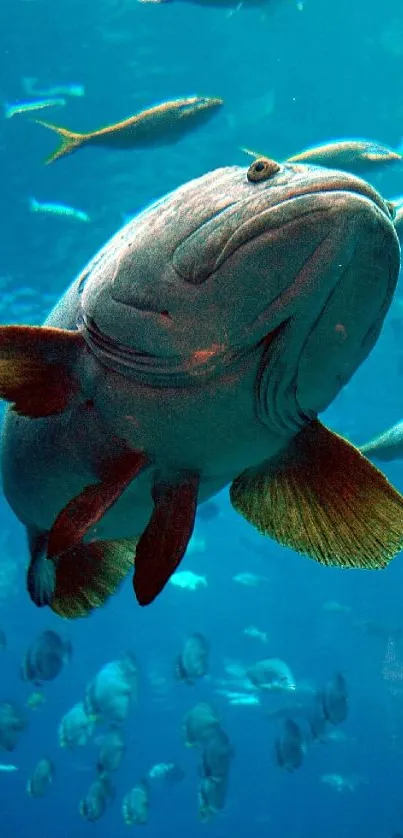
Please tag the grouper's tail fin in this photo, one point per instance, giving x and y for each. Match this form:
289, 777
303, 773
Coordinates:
71, 140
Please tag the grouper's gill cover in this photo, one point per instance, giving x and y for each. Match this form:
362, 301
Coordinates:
211, 331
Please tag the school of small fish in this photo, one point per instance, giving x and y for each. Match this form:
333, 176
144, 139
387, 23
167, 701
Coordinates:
105, 713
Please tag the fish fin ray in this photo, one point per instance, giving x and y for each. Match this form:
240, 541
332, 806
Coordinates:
327, 501
35, 368
165, 539
89, 574
70, 140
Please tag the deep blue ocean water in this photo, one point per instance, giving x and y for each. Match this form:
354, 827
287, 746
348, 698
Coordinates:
290, 77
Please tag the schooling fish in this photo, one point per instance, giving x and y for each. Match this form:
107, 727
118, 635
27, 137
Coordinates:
386, 446
161, 125
356, 156
195, 351
359, 157
30, 107
57, 209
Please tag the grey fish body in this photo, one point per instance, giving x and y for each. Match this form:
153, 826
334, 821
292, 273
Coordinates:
41, 779
195, 341
33, 451
360, 157
387, 446
192, 663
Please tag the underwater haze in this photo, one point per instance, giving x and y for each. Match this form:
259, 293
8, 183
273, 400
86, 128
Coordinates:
291, 75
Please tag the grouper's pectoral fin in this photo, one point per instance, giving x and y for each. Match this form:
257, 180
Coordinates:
36, 368
325, 500
164, 541
73, 577
82, 578
85, 510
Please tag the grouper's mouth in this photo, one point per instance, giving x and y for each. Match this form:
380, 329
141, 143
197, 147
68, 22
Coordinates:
157, 370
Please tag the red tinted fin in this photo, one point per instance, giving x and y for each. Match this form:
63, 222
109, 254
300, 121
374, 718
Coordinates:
36, 368
164, 541
88, 575
324, 500
90, 505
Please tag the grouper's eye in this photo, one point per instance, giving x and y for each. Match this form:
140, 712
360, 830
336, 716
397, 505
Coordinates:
262, 169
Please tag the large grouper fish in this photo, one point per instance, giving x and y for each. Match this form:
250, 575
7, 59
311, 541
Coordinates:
194, 351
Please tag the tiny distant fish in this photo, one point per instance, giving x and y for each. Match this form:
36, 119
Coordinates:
3, 641
253, 631
12, 722
31, 107
169, 772
135, 805
188, 579
110, 693
57, 209
271, 674
192, 663
35, 700
111, 752
75, 728
45, 658
217, 755
214, 773
8, 768
250, 580
42, 778
199, 724
290, 746
239, 699
94, 804
334, 698
160, 125
338, 782
31, 89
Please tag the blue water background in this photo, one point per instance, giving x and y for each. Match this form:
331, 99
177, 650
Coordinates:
333, 69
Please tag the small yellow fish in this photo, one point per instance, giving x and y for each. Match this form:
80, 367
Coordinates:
355, 156
160, 125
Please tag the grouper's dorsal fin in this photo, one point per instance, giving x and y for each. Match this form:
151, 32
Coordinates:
36, 368
165, 539
87, 508
326, 500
